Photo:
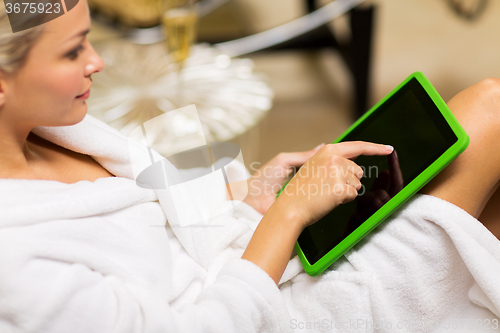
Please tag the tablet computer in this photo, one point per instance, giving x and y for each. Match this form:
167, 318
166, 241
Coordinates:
426, 137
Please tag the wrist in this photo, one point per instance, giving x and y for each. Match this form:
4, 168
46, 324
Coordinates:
252, 201
272, 242
288, 215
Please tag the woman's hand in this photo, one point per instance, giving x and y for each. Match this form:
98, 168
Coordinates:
328, 179
272, 176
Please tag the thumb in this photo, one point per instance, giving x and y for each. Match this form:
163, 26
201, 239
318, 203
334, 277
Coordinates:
318, 147
297, 159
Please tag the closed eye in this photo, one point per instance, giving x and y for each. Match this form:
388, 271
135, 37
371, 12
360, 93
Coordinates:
73, 54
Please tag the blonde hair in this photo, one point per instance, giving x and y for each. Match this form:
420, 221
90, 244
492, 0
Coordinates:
15, 47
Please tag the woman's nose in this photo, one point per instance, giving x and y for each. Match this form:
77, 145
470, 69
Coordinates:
96, 64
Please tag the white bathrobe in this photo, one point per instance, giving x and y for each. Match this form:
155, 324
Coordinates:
108, 256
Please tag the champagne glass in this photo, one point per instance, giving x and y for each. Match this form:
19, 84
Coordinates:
179, 20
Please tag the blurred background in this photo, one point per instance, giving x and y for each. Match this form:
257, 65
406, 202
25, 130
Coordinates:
321, 81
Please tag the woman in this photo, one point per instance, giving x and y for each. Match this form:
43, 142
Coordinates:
45, 79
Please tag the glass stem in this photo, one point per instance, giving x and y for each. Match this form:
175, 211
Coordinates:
180, 85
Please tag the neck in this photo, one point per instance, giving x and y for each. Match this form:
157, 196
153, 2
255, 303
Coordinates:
17, 153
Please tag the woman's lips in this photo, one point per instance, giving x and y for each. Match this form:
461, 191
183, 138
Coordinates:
85, 95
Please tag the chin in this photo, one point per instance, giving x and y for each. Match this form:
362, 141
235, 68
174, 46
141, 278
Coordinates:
78, 115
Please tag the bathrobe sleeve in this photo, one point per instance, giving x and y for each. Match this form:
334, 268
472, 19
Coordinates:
44, 295
99, 285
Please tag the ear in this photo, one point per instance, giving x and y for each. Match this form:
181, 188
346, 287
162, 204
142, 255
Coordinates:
3, 84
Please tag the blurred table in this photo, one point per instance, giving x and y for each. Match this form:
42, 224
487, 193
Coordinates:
139, 82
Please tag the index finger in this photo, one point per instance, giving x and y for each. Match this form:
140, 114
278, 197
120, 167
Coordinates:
353, 149
397, 182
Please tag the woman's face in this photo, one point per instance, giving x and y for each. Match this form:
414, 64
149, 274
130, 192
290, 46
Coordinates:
48, 89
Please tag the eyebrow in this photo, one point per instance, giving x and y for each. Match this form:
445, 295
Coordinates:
81, 33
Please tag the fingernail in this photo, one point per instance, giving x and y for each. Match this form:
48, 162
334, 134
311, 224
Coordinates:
318, 146
389, 148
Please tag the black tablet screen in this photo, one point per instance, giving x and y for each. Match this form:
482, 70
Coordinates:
411, 123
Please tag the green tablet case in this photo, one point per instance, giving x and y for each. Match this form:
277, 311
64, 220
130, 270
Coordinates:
407, 192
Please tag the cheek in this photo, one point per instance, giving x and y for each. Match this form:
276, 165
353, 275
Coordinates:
64, 84
54, 91
48, 88
55, 87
